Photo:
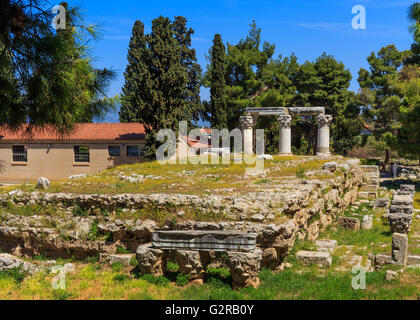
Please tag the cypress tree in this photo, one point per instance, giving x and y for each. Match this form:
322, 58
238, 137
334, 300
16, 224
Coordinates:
218, 106
162, 79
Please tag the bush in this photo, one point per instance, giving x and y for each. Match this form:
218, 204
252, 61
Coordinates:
159, 281
116, 266
17, 274
172, 267
182, 280
61, 294
120, 278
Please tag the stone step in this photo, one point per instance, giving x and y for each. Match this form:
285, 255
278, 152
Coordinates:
367, 195
370, 188
323, 259
326, 245
204, 240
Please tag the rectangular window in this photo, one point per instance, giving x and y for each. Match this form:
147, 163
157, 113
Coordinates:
81, 154
132, 151
114, 151
20, 154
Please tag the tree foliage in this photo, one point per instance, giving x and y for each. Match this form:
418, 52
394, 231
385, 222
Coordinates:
46, 75
162, 79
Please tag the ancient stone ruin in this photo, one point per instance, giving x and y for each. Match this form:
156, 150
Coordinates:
285, 115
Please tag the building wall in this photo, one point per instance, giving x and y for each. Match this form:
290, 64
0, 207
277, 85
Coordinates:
56, 162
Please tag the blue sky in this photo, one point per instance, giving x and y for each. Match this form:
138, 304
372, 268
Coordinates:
304, 27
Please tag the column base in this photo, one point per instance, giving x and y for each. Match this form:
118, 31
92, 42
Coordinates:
285, 154
323, 154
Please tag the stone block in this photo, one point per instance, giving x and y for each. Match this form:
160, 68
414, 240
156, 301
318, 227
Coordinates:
189, 263
382, 203
244, 268
124, 259
402, 200
369, 168
408, 187
400, 222
205, 240
399, 248
370, 188
151, 260
413, 260
349, 223
401, 209
323, 259
330, 166
381, 260
326, 245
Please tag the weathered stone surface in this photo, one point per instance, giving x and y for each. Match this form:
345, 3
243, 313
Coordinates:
42, 183
330, 166
367, 222
322, 259
391, 275
349, 223
381, 260
124, 259
269, 258
189, 263
408, 187
381, 203
326, 245
400, 222
413, 260
401, 209
257, 217
402, 200
369, 168
244, 268
8, 261
205, 240
399, 248
151, 260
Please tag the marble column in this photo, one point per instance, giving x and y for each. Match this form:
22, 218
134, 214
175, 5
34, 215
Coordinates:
285, 122
247, 124
324, 122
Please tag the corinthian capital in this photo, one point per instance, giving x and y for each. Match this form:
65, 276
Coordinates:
285, 121
247, 122
324, 120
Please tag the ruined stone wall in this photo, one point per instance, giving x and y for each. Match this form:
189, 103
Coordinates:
306, 210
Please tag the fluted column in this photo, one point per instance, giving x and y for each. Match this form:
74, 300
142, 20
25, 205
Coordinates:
285, 147
247, 124
324, 122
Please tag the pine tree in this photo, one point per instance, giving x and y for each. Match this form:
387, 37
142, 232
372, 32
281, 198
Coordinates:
218, 106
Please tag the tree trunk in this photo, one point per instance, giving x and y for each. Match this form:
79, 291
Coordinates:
387, 156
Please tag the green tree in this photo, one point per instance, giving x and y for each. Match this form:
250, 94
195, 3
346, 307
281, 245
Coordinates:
325, 83
161, 79
217, 75
46, 75
380, 95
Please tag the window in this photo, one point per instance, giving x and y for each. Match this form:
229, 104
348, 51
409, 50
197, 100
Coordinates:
81, 154
132, 151
19, 154
114, 151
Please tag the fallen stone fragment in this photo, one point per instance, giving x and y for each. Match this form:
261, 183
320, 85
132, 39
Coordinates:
326, 245
349, 223
399, 248
391, 275
323, 259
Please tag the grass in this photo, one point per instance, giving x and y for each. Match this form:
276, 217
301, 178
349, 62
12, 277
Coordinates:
182, 178
90, 282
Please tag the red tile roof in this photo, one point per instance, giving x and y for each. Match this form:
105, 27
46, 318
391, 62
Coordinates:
81, 132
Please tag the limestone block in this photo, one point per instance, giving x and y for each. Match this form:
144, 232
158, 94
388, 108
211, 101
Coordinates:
400, 222
323, 259
124, 259
331, 166
381, 203
399, 248
349, 223
402, 200
189, 263
151, 260
401, 209
42, 183
381, 260
326, 245
244, 268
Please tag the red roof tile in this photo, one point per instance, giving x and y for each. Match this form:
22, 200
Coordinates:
81, 132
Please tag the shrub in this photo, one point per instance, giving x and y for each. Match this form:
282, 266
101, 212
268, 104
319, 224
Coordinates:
172, 267
116, 266
182, 279
17, 274
61, 294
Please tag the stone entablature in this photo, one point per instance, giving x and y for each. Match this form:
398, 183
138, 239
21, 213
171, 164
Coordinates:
285, 117
205, 240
